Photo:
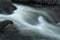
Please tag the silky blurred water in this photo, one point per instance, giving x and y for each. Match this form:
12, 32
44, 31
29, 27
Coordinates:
30, 19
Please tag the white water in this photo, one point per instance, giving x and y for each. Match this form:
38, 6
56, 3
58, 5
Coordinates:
30, 22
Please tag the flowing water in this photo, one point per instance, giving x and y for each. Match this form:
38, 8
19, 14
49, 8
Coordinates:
32, 24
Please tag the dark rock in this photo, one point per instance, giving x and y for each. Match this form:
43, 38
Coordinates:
39, 1
6, 6
21, 0
5, 24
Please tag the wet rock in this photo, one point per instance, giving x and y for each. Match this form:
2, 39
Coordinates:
39, 1
5, 24
6, 6
21, 0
